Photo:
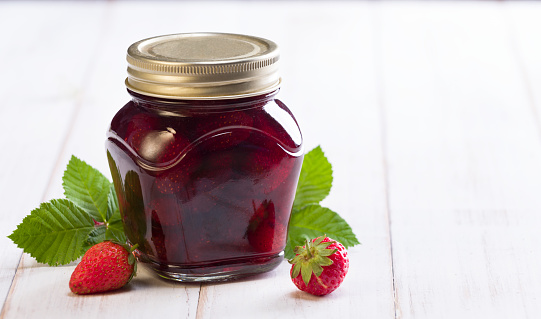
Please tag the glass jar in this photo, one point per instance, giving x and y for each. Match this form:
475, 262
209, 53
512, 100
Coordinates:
205, 159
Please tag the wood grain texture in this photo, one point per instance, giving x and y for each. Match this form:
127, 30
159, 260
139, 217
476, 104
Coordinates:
146, 295
39, 93
331, 88
428, 111
463, 154
522, 18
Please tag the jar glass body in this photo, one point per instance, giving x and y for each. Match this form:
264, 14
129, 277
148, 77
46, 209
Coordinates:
205, 187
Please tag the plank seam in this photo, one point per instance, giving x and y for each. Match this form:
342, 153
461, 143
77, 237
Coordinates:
380, 97
201, 302
78, 103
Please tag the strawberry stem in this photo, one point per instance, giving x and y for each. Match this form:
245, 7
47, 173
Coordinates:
308, 249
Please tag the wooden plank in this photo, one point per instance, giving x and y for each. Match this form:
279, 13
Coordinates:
463, 154
42, 75
328, 72
353, 147
523, 19
43, 290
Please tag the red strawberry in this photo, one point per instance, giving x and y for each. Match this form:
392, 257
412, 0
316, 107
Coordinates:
225, 129
214, 169
154, 142
138, 127
196, 174
269, 166
264, 233
175, 179
105, 266
320, 266
173, 144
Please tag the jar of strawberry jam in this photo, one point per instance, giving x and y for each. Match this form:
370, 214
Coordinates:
205, 159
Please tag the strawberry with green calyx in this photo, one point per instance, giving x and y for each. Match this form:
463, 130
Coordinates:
320, 266
105, 266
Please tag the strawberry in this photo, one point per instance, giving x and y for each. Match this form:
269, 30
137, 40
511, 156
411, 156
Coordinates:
320, 266
262, 228
138, 127
268, 165
213, 170
105, 266
225, 129
172, 147
153, 141
174, 180
196, 174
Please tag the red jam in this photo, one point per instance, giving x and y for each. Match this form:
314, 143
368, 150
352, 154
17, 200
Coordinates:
205, 188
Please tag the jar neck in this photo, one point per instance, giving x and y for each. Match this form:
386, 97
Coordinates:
202, 105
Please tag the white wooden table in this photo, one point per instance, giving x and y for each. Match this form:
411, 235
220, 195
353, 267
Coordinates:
430, 113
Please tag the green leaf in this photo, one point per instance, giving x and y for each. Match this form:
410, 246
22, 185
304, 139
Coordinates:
313, 221
112, 229
96, 236
103, 233
315, 180
86, 187
54, 233
289, 250
115, 229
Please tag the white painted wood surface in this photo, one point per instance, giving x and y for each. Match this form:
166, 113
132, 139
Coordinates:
430, 113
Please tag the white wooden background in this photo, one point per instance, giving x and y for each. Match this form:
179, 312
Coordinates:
430, 113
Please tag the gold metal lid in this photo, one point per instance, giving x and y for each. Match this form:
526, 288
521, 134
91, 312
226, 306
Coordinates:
203, 66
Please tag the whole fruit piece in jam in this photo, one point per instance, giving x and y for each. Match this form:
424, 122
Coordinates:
174, 180
271, 168
138, 127
152, 140
320, 266
262, 227
226, 129
105, 266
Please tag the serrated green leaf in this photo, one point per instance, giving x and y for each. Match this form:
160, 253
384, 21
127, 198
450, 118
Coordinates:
115, 229
313, 221
54, 233
315, 180
96, 236
112, 229
86, 187
292, 244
